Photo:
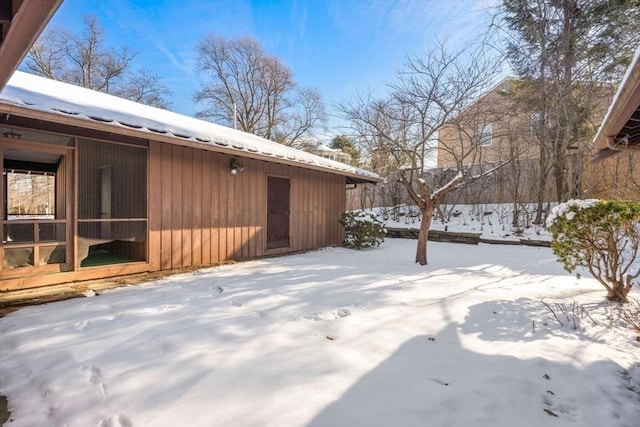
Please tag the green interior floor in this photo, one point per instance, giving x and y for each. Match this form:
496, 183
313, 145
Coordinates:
101, 257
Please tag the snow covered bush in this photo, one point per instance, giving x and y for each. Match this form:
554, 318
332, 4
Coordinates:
603, 237
362, 230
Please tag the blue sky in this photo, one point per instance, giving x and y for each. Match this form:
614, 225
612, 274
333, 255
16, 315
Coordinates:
336, 46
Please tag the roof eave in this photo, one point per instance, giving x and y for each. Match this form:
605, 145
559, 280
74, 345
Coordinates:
626, 102
36, 114
26, 25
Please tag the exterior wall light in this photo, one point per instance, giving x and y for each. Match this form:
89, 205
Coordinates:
235, 167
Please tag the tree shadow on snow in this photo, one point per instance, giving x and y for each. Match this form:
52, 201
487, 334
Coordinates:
523, 319
434, 381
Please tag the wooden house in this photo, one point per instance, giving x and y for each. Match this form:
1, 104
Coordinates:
97, 186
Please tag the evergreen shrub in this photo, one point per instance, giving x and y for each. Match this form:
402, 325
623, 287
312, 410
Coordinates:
601, 236
362, 230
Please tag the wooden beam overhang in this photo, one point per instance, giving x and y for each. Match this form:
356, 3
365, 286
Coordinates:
21, 21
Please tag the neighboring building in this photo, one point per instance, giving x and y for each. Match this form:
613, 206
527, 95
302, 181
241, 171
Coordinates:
112, 187
337, 155
487, 133
494, 130
615, 171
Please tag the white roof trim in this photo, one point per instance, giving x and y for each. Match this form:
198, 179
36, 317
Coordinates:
42, 94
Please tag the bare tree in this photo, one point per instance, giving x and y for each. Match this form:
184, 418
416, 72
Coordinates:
255, 92
142, 86
428, 94
83, 60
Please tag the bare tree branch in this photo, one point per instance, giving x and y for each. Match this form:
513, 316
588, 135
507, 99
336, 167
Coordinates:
83, 60
257, 90
400, 129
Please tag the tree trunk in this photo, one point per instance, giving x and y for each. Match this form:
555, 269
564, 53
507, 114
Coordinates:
542, 182
618, 292
559, 173
423, 235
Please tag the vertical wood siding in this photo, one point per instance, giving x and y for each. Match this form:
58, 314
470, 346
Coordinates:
200, 214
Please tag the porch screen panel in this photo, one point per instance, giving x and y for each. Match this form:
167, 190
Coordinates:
112, 203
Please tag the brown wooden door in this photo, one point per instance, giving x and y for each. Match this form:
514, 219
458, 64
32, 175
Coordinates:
278, 207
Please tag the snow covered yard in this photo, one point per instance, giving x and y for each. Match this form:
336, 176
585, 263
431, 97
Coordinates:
330, 338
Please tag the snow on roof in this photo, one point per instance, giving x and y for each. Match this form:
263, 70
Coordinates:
43, 94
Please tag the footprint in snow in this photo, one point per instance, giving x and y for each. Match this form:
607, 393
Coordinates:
215, 290
262, 314
342, 312
81, 325
94, 376
115, 316
116, 421
312, 315
166, 347
557, 409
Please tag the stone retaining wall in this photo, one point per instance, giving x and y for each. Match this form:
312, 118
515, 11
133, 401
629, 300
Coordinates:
455, 237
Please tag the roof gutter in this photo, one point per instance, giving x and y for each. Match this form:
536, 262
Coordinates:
614, 148
624, 104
